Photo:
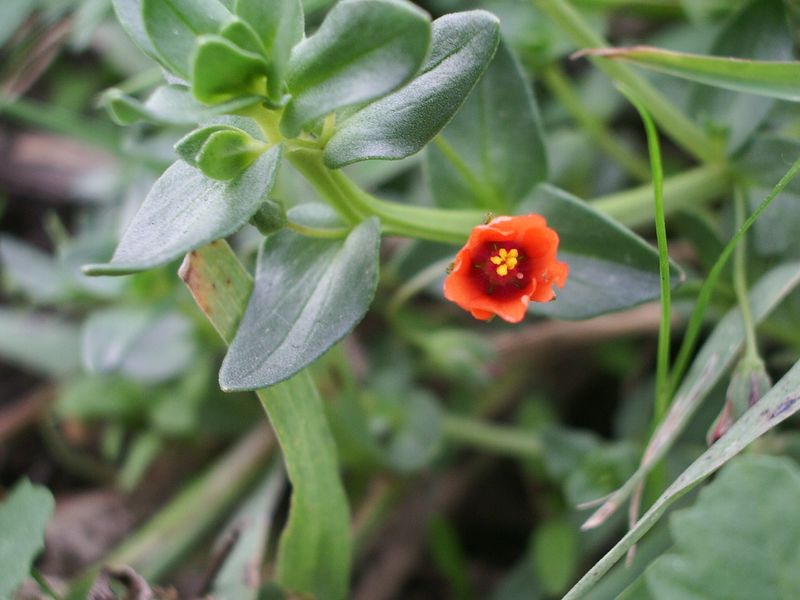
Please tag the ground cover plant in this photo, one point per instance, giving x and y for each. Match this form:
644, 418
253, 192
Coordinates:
511, 281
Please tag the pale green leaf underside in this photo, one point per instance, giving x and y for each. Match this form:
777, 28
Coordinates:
169, 105
739, 540
129, 13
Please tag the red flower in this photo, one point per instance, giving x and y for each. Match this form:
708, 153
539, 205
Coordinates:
503, 266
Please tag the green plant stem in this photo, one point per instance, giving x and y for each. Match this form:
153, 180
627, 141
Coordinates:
309, 163
632, 207
696, 319
662, 396
493, 438
421, 222
650, 8
740, 280
696, 187
327, 233
561, 88
685, 133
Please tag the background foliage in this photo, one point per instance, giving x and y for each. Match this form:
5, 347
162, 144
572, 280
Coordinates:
318, 175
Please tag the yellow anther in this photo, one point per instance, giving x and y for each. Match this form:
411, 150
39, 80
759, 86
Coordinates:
505, 260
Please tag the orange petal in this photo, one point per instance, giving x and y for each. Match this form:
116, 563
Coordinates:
482, 315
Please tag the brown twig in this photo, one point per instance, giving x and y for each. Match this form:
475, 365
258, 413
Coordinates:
545, 336
25, 412
37, 59
46, 167
137, 587
218, 558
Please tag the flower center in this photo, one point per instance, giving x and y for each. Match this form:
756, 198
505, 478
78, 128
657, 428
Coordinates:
505, 260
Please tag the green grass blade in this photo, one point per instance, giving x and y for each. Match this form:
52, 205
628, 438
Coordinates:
775, 79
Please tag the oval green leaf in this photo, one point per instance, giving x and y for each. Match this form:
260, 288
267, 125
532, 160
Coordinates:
185, 210
402, 123
239, 32
315, 548
363, 50
325, 289
492, 153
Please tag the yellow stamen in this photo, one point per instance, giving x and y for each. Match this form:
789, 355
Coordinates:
505, 260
